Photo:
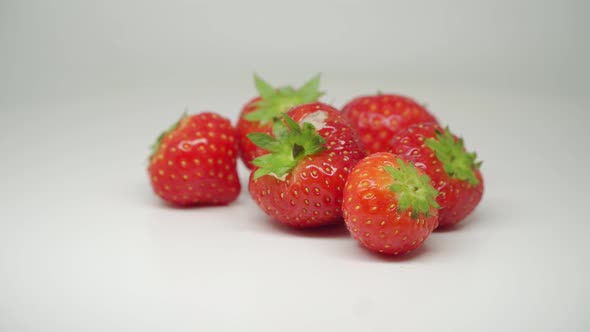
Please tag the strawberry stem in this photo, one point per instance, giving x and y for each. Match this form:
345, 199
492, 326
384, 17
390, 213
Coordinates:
297, 150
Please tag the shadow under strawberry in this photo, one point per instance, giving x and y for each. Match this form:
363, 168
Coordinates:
409, 256
172, 206
326, 231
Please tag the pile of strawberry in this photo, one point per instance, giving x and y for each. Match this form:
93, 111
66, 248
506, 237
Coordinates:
383, 164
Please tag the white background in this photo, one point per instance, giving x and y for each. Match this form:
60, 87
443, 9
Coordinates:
85, 87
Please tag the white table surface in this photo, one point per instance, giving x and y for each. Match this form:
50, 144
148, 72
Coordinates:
86, 246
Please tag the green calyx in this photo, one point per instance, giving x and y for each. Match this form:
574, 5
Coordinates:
413, 189
290, 144
156, 146
275, 102
457, 162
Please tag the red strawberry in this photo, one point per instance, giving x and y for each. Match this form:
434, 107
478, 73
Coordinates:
389, 205
259, 114
300, 181
378, 118
194, 162
454, 172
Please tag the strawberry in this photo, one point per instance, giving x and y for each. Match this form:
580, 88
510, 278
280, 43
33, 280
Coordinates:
454, 172
259, 114
389, 205
378, 118
299, 182
194, 162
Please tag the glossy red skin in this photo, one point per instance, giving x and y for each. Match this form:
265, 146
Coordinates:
378, 118
370, 210
248, 150
196, 162
311, 194
457, 198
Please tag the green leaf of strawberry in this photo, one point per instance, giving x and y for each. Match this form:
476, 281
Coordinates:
156, 146
413, 189
275, 102
290, 144
457, 162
